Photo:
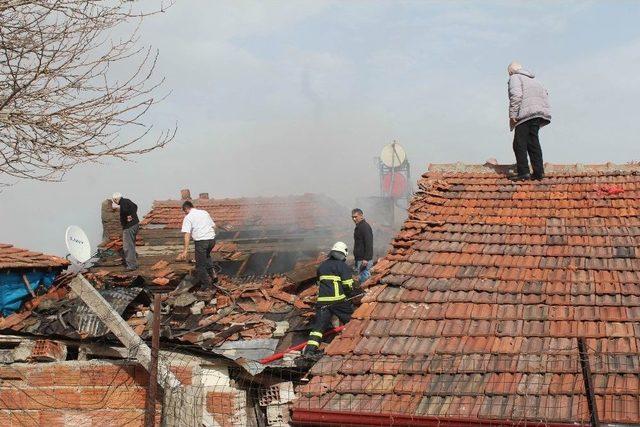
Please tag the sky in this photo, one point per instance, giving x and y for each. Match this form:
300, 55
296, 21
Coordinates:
291, 97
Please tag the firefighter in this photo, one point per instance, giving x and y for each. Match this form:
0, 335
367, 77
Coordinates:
335, 291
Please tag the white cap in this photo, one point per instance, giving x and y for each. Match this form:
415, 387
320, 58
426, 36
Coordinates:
340, 247
513, 67
116, 197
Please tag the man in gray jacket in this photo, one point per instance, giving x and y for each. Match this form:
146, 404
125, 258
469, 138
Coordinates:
529, 110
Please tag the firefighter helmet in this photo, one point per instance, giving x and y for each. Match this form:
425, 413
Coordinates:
341, 247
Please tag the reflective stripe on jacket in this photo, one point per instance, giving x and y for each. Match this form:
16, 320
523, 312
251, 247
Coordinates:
335, 281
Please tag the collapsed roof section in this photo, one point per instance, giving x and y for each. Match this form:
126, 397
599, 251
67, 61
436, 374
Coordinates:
258, 311
246, 321
474, 314
256, 236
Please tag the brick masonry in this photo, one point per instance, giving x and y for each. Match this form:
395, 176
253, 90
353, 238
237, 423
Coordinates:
72, 393
105, 393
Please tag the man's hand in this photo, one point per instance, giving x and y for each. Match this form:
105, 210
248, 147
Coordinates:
129, 218
364, 263
183, 255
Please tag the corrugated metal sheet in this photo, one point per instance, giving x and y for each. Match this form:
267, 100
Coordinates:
87, 323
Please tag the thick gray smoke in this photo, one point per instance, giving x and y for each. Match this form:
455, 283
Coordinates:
278, 98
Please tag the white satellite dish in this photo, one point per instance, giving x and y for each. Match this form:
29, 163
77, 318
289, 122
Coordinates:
393, 155
78, 243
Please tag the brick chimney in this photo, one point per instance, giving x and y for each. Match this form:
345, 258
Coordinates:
203, 196
110, 221
185, 194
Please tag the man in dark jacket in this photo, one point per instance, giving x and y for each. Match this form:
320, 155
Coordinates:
362, 245
130, 225
335, 289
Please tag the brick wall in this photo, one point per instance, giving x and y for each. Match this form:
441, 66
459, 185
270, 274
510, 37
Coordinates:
228, 408
108, 393
224, 404
73, 393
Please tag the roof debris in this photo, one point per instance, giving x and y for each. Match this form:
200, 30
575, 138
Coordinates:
256, 237
243, 310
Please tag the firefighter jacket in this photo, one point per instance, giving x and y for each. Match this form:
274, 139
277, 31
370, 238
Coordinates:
335, 281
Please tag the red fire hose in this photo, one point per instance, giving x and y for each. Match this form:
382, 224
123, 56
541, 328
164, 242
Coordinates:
300, 346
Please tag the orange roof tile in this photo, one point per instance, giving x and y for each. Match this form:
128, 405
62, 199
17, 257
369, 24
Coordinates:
15, 258
306, 212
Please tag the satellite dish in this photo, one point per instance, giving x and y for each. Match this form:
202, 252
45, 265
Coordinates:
78, 243
393, 155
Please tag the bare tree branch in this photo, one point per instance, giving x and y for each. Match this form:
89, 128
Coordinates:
60, 103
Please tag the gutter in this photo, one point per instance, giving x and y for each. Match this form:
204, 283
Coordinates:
318, 417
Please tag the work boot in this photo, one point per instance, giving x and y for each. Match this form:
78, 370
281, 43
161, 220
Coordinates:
536, 177
314, 357
523, 177
313, 353
308, 349
310, 355
303, 362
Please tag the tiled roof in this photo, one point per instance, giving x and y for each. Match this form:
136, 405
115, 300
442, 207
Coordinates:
475, 311
12, 257
305, 212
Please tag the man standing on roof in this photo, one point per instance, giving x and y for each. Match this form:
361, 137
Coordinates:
130, 225
529, 110
198, 224
335, 289
362, 245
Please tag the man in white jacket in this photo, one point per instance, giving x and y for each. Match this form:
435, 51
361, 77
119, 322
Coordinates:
529, 110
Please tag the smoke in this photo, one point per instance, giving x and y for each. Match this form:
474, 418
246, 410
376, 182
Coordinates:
284, 98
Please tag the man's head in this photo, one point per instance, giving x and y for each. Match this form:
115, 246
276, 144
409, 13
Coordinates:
513, 67
187, 206
115, 198
357, 215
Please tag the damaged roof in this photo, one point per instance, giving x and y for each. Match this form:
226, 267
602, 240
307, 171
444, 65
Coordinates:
14, 258
247, 319
474, 313
255, 237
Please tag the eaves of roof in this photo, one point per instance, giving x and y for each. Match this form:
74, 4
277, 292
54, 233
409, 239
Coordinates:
335, 418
